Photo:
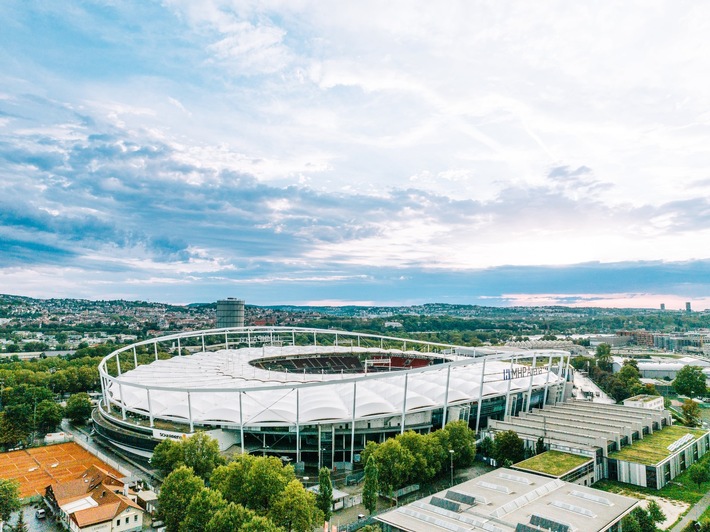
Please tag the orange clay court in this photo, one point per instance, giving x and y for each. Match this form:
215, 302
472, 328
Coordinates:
37, 468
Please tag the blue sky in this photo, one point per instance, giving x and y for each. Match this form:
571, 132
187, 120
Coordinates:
302, 152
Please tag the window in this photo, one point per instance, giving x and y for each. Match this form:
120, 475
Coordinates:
135, 518
127, 520
118, 522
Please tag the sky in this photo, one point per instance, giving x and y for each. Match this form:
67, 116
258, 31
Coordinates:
375, 153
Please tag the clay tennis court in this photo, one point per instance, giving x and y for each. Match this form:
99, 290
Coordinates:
37, 468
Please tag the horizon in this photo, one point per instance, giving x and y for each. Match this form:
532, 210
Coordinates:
502, 155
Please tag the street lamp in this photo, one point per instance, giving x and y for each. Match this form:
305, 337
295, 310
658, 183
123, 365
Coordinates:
451, 456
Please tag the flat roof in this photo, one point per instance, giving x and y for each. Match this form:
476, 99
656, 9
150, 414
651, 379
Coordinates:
653, 448
500, 500
555, 463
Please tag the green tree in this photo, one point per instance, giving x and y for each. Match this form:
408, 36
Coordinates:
655, 512
295, 509
507, 446
425, 465
699, 473
691, 413
232, 479
49, 415
79, 408
394, 463
9, 499
202, 507
179, 488
266, 481
15, 424
259, 523
324, 499
463, 442
167, 456
229, 518
603, 354
201, 453
371, 485
371, 528
690, 381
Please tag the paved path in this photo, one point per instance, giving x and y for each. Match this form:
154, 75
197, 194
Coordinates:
694, 513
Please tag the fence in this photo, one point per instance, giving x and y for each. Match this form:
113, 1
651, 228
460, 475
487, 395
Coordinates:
103, 457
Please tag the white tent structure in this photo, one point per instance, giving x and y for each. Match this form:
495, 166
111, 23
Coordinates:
236, 384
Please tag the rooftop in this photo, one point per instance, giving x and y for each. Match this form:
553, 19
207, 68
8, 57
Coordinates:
653, 448
504, 499
554, 463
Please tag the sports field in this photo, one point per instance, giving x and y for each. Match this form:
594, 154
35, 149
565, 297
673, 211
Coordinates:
37, 468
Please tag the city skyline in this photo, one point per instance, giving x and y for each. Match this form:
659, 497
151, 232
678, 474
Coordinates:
356, 153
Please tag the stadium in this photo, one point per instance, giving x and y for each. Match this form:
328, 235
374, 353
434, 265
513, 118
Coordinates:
312, 396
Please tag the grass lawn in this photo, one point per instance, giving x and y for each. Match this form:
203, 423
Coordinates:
654, 447
553, 462
681, 488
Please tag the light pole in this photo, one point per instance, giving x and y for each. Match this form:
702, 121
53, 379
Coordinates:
305, 481
451, 456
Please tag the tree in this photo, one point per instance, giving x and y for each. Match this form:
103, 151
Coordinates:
231, 479
167, 456
266, 481
540, 445
324, 499
371, 486
486, 447
49, 416
394, 463
260, 524
201, 453
9, 499
655, 512
507, 445
295, 509
201, 509
463, 442
425, 465
691, 413
690, 381
603, 354
79, 408
179, 488
699, 473
15, 424
229, 518
20, 526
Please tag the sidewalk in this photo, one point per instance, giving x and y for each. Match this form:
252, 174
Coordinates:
694, 513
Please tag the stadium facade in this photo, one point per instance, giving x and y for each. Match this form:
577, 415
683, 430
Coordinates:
311, 395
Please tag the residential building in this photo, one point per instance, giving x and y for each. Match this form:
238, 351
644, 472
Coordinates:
95, 501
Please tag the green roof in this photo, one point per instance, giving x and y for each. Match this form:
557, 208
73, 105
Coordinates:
555, 463
654, 447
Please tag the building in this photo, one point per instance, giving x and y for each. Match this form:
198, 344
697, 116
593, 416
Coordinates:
633, 444
654, 402
316, 396
592, 430
95, 501
655, 460
230, 313
507, 500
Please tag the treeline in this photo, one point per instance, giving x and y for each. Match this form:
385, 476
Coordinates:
413, 458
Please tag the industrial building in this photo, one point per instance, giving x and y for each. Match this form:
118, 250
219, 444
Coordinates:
507, 500
230, 312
